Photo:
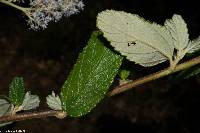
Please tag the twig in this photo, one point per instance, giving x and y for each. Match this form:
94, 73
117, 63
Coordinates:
31, 115
115, 91
157, 75
23, 9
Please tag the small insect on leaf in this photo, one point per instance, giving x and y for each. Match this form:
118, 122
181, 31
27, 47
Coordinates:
131, 43
17, 91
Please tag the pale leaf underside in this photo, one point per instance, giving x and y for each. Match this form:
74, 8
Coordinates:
179, 32
194, 45
54, 102
30, 101
5, 107
139, 40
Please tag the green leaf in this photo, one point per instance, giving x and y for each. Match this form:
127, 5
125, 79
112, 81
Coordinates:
124, 74
17, 91
90, 78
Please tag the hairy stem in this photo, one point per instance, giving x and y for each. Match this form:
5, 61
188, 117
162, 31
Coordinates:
115, 91
29, 115
157, 75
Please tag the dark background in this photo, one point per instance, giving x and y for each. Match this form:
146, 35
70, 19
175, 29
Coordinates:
45, 58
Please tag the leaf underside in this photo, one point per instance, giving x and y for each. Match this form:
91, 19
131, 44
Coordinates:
179, 32
194, 45
17, 91
4, 110
30, 101
54, 102
4, 107
140, 41
90, 78
146, 43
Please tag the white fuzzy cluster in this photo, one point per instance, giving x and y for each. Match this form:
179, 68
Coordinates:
44, 11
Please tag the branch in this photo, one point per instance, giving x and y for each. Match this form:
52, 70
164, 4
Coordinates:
32, 115
115, 91
157, 75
